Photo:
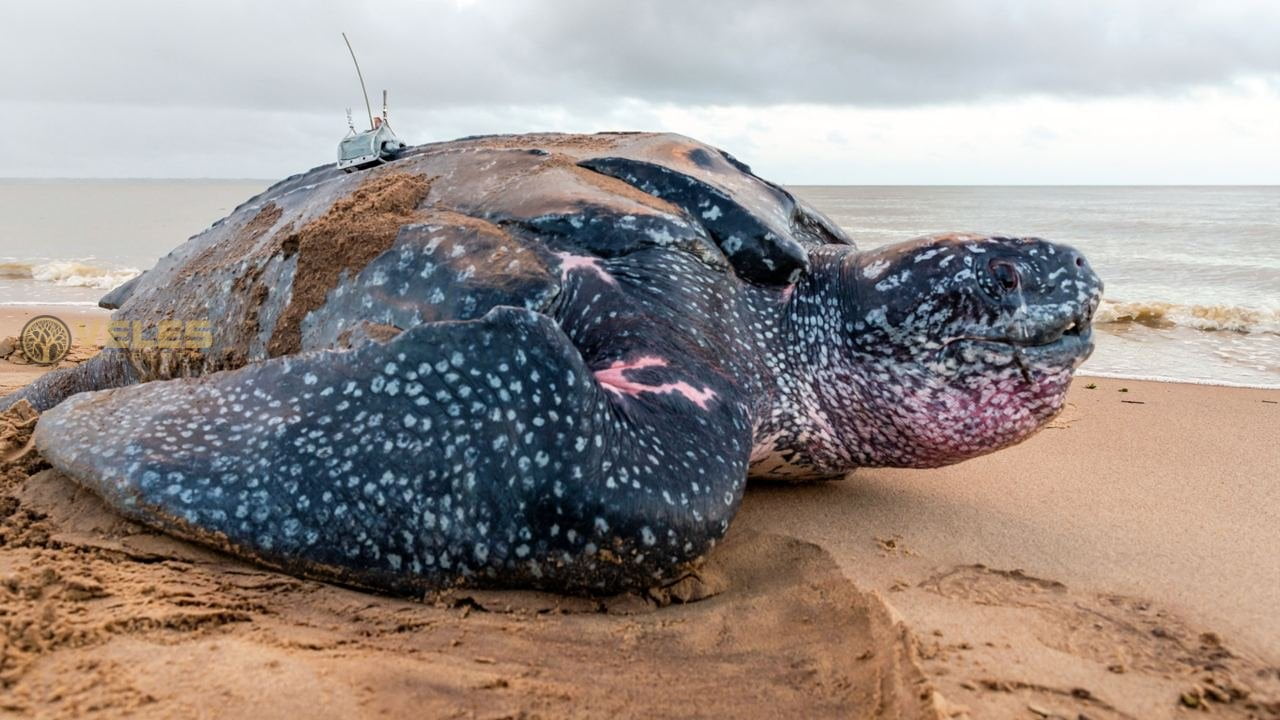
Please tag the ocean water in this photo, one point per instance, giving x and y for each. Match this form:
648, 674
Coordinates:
1192, 273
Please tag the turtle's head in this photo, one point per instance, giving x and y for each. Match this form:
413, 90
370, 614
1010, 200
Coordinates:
958, 345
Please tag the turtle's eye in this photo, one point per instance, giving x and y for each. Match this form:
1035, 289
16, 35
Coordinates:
1006, 274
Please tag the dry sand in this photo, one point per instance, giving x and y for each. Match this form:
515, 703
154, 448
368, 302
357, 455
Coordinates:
1122, 564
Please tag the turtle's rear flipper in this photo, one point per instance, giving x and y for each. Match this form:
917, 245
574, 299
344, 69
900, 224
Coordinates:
107, 369
482, 451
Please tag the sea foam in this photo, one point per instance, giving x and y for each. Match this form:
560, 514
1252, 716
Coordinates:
1157, 314
68, 273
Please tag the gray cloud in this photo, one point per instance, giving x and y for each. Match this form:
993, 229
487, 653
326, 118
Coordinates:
286, 55
240, 88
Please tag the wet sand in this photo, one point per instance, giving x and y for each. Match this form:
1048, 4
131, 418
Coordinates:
1121, 564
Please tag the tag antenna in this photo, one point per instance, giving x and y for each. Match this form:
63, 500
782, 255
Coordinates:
368, 108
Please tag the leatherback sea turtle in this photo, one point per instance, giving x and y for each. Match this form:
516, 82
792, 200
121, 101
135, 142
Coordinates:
547, 361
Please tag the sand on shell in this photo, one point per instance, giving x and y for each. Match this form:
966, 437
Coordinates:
1121, 564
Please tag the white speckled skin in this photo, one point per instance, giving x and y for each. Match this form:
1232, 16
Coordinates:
578, 390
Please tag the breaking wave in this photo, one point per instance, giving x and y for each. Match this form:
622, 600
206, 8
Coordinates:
68, 273
1232, 318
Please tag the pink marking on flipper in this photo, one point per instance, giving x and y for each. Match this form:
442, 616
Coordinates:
787, 292
569, 262
611, 379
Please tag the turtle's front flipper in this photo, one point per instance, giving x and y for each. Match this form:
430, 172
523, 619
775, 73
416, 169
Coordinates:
760, 247
482, 451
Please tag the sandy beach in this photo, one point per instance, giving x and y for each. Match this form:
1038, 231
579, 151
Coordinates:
1120, 564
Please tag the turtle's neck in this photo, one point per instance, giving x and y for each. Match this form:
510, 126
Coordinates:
807, 343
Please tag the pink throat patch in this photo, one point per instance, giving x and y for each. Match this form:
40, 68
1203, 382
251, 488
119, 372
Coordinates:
611, 378
570, 262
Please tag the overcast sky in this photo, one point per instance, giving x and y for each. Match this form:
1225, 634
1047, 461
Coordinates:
824, 91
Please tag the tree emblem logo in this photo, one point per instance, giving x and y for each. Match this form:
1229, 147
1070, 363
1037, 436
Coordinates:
45, 340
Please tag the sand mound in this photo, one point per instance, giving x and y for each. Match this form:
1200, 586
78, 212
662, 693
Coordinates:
18, 456
98, 613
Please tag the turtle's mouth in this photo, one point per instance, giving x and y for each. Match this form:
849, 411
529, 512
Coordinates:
1073, 335
1044, 350
1072, 347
